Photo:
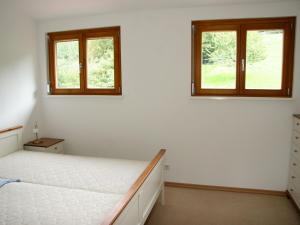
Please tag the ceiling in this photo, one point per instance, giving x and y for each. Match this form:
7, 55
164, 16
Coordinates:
42, 9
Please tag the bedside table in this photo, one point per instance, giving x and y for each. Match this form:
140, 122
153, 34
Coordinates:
51, 145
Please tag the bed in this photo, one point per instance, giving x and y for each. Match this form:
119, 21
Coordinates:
87, 173
26, 204
103, 191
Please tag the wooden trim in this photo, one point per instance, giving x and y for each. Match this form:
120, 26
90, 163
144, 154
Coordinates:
10, 129
244, 21
198, 55
241, 26
82, 37
228, 189
116, 35
89, 30
286, 73
119, 208
52, 61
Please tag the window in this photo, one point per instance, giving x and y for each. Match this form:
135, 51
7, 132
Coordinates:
85, 62
243, 57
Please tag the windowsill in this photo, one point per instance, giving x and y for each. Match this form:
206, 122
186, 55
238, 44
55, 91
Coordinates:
241, 98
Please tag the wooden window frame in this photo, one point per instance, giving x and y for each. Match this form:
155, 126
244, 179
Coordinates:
82, 36
241, 26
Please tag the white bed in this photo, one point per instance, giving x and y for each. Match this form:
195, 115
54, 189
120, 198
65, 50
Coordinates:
124, 190
33, 204
88, 173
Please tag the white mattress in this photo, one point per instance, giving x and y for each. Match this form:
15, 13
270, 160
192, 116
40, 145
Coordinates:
32, 204
87, 173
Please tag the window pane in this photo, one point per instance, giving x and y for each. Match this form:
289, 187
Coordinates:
67, 64
264, 59
100, 62
218, 63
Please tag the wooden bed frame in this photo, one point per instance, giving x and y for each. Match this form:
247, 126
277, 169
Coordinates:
136, 205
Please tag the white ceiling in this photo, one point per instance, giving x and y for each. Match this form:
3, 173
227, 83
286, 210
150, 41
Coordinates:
42, 9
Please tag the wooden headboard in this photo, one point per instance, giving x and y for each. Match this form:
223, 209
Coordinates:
10, 140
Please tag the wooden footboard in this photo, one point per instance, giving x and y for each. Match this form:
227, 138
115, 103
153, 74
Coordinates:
137, 204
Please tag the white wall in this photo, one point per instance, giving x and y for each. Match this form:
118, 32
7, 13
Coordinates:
240, 143
18, 80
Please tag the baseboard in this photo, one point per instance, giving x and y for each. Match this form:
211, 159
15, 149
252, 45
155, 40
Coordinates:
229, 189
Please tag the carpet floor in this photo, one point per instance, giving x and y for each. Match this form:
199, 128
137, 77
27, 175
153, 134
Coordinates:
203, 207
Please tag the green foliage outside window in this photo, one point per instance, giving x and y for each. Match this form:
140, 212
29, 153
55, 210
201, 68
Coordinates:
220, 47
67, 64
100, 63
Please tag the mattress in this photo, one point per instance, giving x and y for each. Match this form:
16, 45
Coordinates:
87, 173
32, 204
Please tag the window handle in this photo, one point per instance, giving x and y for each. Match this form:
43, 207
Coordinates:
243, 65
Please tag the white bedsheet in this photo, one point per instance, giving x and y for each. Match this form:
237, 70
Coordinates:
87, 173
32, 204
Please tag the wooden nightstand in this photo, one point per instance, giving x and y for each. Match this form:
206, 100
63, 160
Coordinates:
52, 145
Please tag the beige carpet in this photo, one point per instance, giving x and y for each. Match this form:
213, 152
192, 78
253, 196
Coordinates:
201, 207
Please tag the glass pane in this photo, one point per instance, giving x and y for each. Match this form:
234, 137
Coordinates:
218, 63
264, 59
67, 64
100, 62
